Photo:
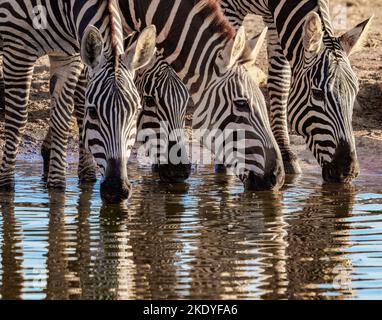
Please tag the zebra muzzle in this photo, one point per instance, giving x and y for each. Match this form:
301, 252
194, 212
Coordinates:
344, 166
115, 191
115, 188
174, 173
273, 180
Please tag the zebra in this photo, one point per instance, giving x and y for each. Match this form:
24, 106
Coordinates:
209, 56
164, 100
311, 82
72, 32
2, 97
163, 117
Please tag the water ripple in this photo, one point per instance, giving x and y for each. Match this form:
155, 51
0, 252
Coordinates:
205, 239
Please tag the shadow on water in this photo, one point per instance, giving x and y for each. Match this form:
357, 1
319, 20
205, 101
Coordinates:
204, 239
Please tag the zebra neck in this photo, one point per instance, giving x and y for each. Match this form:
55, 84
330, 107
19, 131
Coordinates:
199, 71
105, 16
289, 17
235, 11
190, 36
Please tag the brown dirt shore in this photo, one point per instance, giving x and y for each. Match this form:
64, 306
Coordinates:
367, 118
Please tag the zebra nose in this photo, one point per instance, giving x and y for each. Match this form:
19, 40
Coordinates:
174, 173
344, 166
177, 168
115, 188
273, 180
273, 177
115, 191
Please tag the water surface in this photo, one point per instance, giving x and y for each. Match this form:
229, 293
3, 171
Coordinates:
206, 239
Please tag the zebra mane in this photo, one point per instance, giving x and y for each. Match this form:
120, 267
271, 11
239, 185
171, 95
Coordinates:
324, 12
329, 39
220, 21
116, 31
221, 24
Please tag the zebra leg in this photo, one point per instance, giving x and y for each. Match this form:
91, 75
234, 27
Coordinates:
65, 72
45, 153
86, 168
2, 93
87, 171
279, 86
17, 83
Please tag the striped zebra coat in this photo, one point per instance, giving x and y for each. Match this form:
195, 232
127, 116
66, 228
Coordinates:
61, 29
311, 82
163, 118
168, 97
161, 121
160, 125
209, 56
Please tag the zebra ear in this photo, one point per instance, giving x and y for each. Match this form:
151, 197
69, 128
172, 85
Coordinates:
140, 54
91, 47
254, 46
313, 33
354, 39
235, 50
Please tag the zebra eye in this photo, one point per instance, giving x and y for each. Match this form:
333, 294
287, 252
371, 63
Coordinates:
150, 102
242, 105
318, 94
93, 114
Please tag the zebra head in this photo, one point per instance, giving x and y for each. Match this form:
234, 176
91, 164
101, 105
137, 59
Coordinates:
164, 100
112, 101
241, 137
322, 97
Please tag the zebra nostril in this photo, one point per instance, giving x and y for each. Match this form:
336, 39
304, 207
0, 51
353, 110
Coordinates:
115, 191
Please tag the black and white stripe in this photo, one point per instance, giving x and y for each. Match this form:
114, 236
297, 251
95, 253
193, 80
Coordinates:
209, 57
311, 84
162, 119
111, 94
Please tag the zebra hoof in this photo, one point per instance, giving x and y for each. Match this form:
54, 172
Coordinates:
292, 165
